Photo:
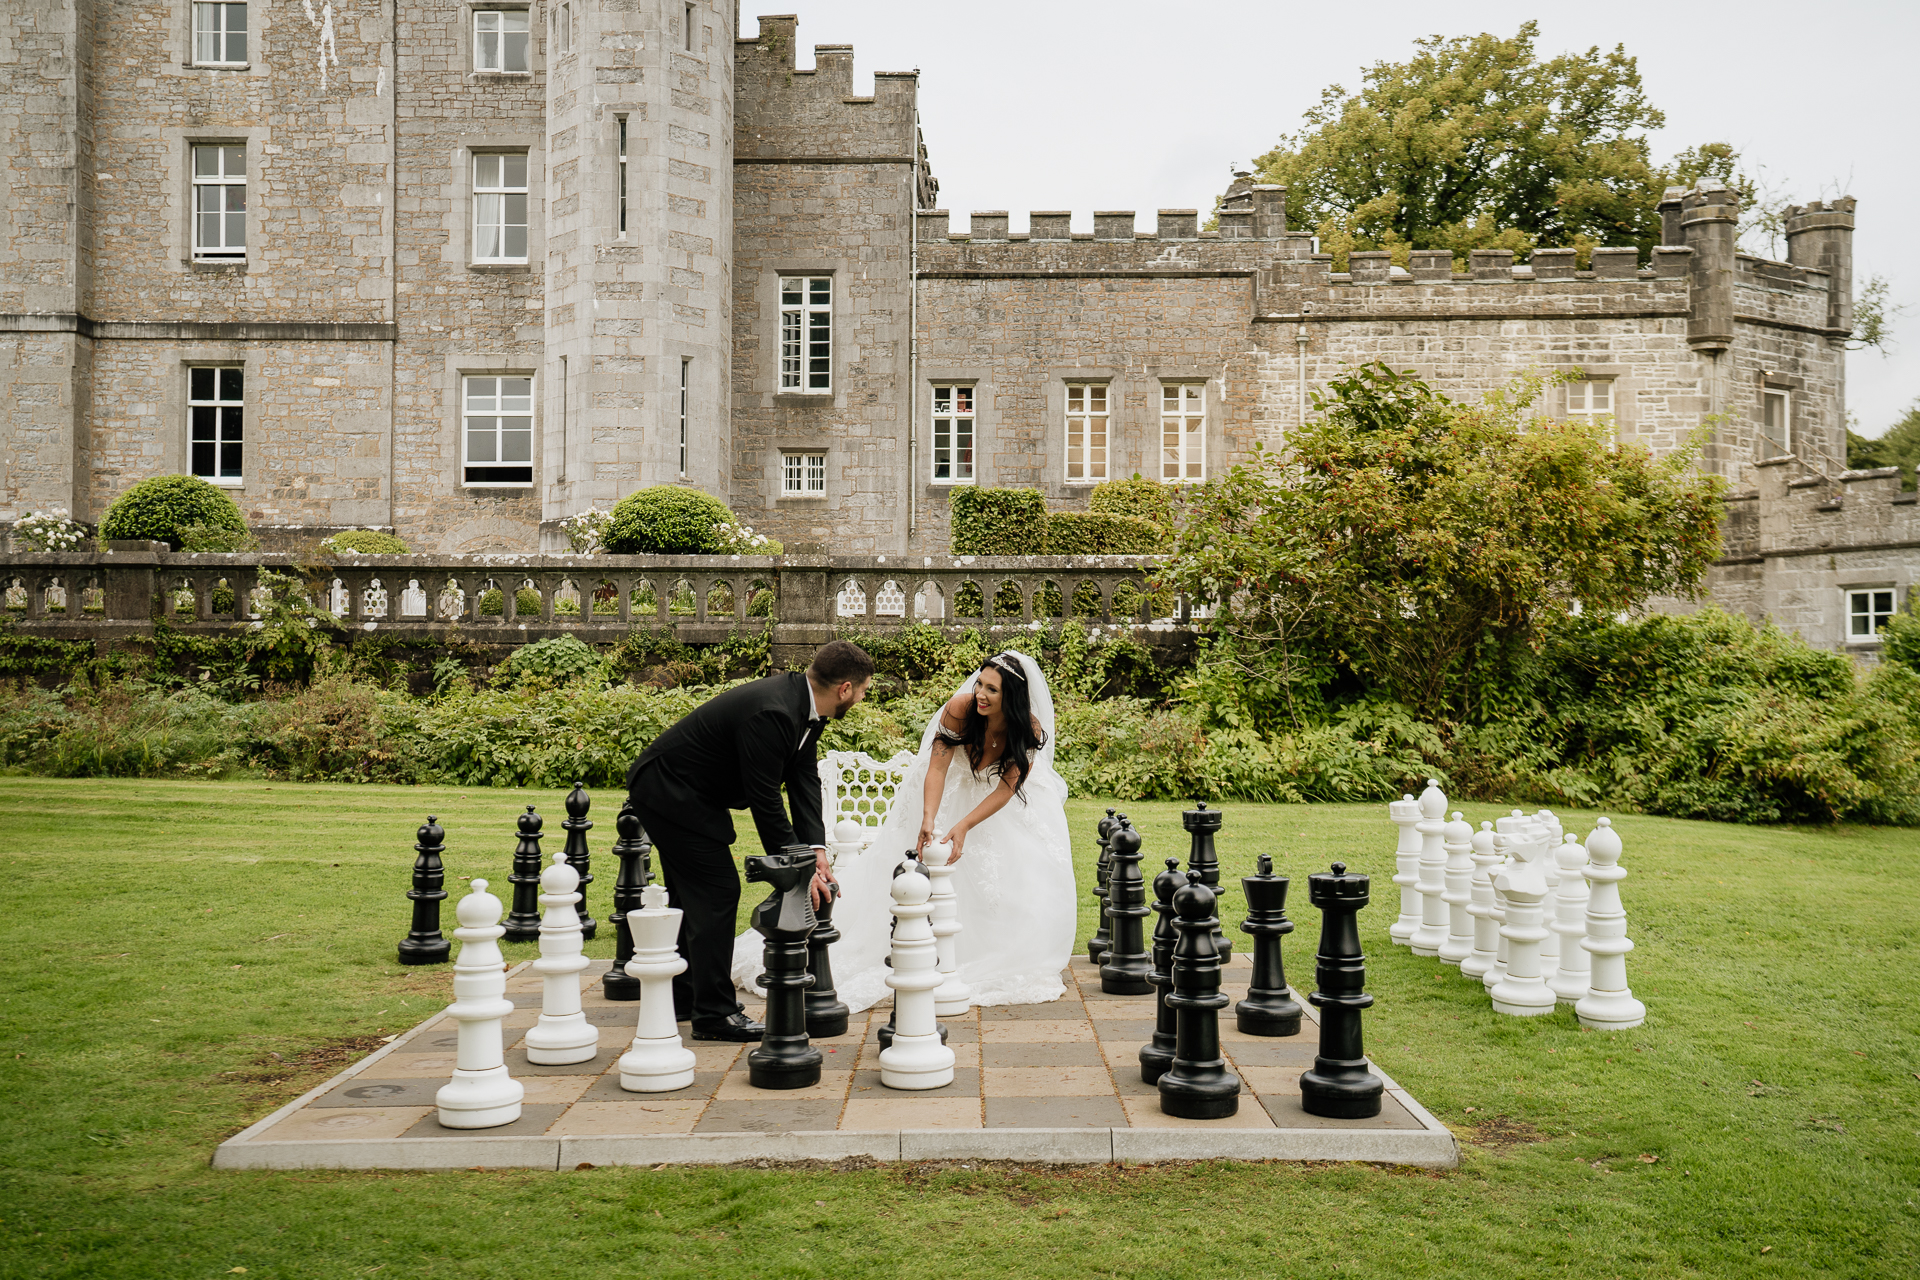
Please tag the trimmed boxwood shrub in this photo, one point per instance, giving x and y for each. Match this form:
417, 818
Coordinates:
998, 522
667, 519
1148, 499
1094, 533
157, 509
368, 542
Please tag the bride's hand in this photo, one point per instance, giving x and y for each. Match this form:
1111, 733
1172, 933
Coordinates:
926, 838
958, 839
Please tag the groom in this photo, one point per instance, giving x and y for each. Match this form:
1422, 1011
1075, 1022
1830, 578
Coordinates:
734, 752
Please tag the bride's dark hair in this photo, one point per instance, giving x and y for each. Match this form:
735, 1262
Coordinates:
1017, 703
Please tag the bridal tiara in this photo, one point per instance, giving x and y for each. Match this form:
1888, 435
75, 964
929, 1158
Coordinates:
1011, 668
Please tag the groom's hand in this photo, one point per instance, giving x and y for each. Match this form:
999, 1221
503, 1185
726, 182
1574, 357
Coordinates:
823, 880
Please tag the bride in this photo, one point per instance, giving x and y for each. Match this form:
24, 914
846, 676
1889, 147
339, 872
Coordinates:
985, 780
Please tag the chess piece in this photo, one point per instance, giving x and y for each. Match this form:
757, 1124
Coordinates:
1609, 1004
1097, 945
1339, 1086
1523, 991
885, 1034
1459, 845
1197, 1086
1431, 935
481, 1095
1124, 970
849, 838
563, 1033
1157, 1054
952, 997
523, 922
1201, 824
576, 826
1405, 814
1573, 977
1486, 930
1544, 858
916, 1058
827, 1014
635, 852
656, 1061
424, 944
1269, 1009
784, 1059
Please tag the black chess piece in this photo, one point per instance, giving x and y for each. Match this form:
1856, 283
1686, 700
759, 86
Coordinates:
1097, 944
424, 945
1339, 1085
1197, 1086
576, 826
1268, 1010
523, 921
635, 852
1201, 822
784, 1059
1157, 1055
885, 1034
826, 1014
1124, 970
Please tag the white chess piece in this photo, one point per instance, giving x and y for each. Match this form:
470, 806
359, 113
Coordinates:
849, 838
1609, 1004
1432, 933
1405, 813
1510, 836
656, 1061
562, 1034
1573, 977
1486, 930
952, 997
1522, 991
1547, 860
916, 1059
1459, 845
481, 1095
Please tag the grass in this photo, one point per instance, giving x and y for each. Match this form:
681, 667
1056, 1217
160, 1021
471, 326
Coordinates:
184, 957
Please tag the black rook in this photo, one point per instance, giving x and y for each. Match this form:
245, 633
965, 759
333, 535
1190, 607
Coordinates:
576, 826
784, 1059
636, 873
523, 921
1268, 1009
424, 945
1198, 1085
1339, 1086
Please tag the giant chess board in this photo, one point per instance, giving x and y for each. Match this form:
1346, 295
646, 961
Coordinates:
1048, 1083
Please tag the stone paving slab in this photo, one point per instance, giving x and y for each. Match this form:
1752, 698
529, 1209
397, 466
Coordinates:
1056, 1083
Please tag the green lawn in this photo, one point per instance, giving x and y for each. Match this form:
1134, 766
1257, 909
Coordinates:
184, 957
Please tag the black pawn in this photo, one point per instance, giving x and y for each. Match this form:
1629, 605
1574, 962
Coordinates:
885, 1034
523, 921
636, 873
1268, 1009
1097, 944
1339, 1086
424, 945
1124, 970
1157, 1055
576, 826
1198, 1085
1201, 822
784, 1059
826, 1015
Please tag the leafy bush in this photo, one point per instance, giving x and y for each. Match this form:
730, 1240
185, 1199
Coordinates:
213, 537
329, 730
366, 542
1151, 500
1900, 639
157, 509
1095, 533
585, 530
556, 659
526, 603
668, 519
53, 530
998, 522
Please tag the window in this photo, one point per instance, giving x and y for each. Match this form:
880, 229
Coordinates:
620, 175
1775, 423
1086, 432
686, 27
1590, 398
214, 423
497, 426
220, 203
500, 40
684, 363
806, 333
220, 34
1867, 614
803, 474
953, 434
1183, 431
563, 28
500, 207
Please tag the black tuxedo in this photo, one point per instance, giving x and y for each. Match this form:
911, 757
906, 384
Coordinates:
734, 752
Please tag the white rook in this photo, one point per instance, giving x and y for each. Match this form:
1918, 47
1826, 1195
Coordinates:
1572, 977
563, 1033
1522, 991
1405, 813
916, 1059
1609, 1004
656, 1061
952, 997
481, 1094
1486, 930
1432, 933
1459, 844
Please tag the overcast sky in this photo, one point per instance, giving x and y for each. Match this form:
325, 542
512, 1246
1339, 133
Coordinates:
1046, 104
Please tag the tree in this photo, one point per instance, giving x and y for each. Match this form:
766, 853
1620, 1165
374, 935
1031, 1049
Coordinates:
1898, 446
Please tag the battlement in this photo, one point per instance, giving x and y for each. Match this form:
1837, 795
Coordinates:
786, 112
1176, 245
1854, 509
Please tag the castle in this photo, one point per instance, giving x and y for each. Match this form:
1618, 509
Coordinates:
462, 268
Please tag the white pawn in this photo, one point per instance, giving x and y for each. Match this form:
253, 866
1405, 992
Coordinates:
849, 838
916, 1059
1609, 1004
1405, 814
1432, 933
481, 1094
1572, 977
657, 1061
1522, 991
1459, 844
563, 1033
1486, 930
952, 997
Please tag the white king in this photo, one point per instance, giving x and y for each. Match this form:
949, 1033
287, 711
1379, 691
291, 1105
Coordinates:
657, 1062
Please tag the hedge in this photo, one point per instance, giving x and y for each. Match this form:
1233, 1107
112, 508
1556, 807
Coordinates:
158, 508
998, 522
670, 520
1094, 533
1148, 499
368, 542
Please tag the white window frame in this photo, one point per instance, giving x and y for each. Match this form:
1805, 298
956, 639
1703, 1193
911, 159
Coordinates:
227, 418
563, 27
213, 22
496, 406
806, 335
1590, 398
492, 185
1183, 432
216, 189
955, 434
1783, 398
620, 175
1089, 432
495, 35
1873, 606
686, 363
803, 475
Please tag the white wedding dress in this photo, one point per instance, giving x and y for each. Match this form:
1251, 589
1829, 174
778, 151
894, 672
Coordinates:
1014, 882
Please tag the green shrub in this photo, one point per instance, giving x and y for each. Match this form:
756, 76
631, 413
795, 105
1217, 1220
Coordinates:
1151, 500
158, 509
998, 522
526, 603
1900, 639
1096, 533
368, 542
558, 659
212, 537
669, 519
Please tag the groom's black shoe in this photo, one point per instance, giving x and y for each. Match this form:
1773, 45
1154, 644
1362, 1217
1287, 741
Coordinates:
737, 1027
